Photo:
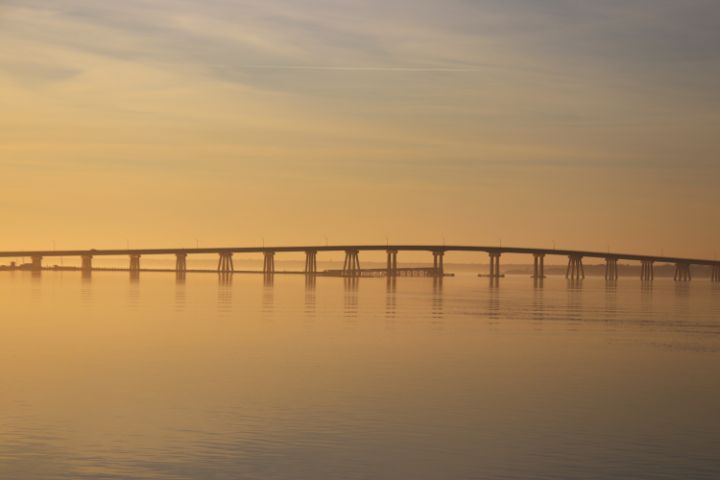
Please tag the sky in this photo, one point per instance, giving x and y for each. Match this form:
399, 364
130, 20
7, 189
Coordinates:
574, 123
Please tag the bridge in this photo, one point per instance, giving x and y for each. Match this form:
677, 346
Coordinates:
351, 267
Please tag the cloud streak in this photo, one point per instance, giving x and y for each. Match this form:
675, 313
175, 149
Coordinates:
577, 39
408, 116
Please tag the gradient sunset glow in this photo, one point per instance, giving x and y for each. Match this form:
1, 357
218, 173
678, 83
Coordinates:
589, 124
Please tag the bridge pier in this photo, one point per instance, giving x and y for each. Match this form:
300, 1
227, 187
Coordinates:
33, 260
181, 262
682, 272
351, 267
225, 263
392, 263
268, 262
36, 262
539, 265
86, 263
611, 269
494, 264
311, 261
134, 263
647, 270
575, 269
439, 263
715, 275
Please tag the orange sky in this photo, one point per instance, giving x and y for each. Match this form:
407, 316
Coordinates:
589, 124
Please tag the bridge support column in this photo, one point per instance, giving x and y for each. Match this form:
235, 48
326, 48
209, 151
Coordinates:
86, 263
268, 262
539, 265
392, 263
311, 261
36, 262
647, 270
494, 264
225, 263
134, 263
682, 272
715, 275
575, 270
351, 268
181, 262
439, 263
611, 269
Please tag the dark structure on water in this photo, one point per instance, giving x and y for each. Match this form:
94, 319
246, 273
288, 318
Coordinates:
351, 267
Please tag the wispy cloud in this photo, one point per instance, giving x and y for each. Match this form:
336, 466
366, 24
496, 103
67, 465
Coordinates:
36, 73
503, 64
641, 41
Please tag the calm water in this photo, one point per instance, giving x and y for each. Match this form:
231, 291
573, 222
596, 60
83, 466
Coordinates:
113, 378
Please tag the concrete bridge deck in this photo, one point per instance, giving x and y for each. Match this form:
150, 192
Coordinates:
361, 248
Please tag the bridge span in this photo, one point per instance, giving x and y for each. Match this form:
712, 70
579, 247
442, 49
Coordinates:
575, 269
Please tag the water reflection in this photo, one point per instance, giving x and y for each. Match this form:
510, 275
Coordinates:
180, 295
225, 278
493, 300
682, 289
85, 290
390, 283
682, 296
351, 284
538, 303
224, 293
574, 300
36, 287
268, 293
122, 398
390, 297
611, 300
310, 300
133, 292
436, 309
